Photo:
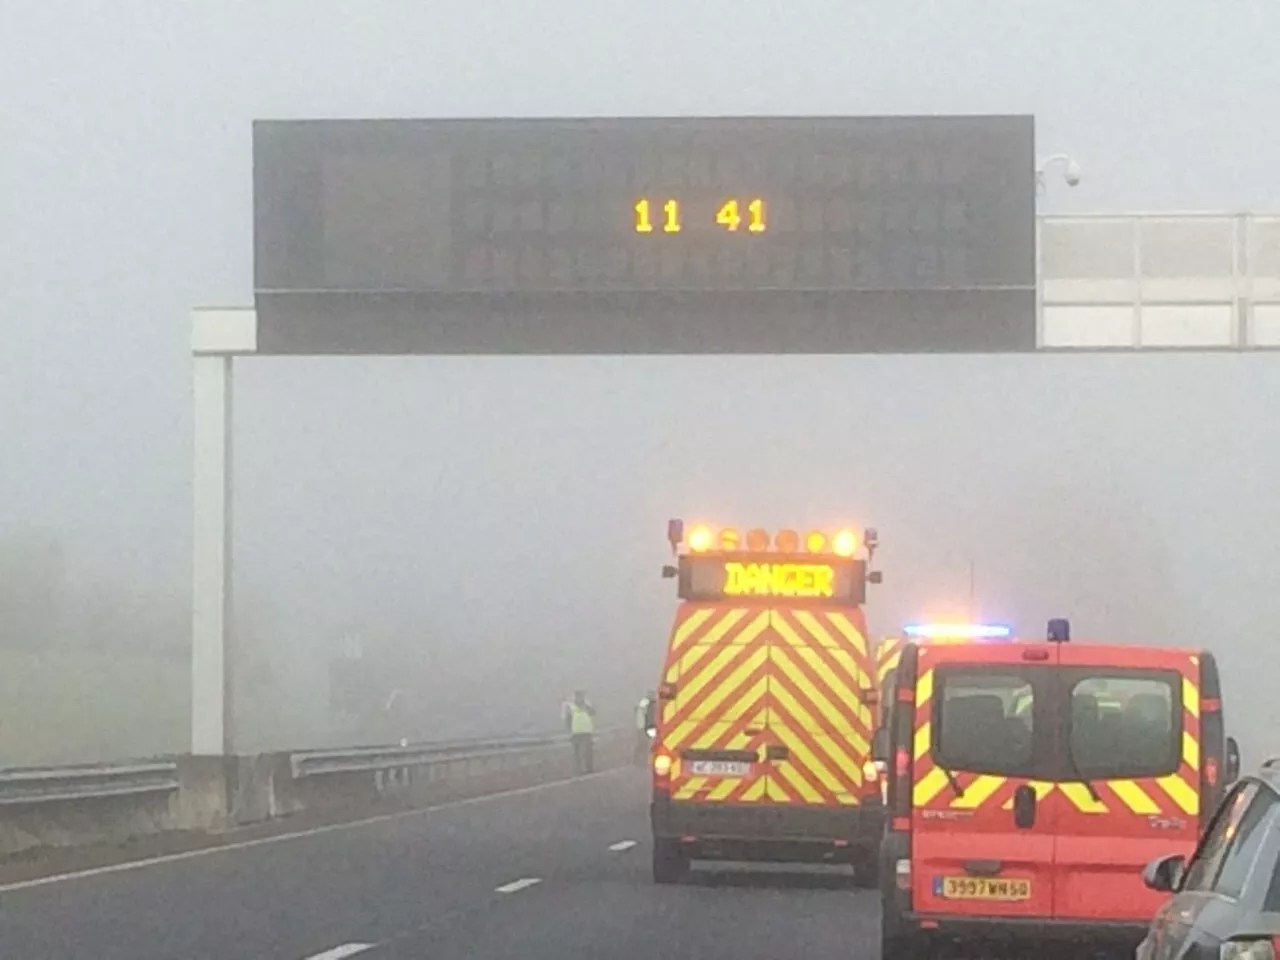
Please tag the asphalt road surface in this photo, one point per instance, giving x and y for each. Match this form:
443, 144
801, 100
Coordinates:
557, 872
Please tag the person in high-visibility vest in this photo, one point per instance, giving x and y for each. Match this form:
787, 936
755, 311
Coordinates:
579, 718
645, 716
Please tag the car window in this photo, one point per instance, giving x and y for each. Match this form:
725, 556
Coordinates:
1203, 869
1126, 724
983, 721
1246, 845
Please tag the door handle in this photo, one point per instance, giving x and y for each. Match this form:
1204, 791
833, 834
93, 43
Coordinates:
1024, 807
754, 731
776, 751
983, 868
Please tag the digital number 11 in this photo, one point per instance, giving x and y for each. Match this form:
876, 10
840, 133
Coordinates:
671, 217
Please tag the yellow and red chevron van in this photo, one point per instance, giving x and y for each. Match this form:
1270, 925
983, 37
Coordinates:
763, 743
1030, 783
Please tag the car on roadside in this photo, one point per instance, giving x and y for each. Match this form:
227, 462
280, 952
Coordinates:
1225, 901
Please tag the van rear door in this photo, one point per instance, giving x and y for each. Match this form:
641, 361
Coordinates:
820, 726
715, 727
1132, 738
981, 839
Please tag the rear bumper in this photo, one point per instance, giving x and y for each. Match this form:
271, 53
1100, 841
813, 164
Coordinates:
1025, 929
776, 832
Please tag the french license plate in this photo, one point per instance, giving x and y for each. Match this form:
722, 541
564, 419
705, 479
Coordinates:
719, 768
982, 888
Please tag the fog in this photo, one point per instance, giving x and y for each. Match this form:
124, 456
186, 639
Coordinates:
491, 530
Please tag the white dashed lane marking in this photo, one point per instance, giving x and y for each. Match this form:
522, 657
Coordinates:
346, 950
517, 885
622, 845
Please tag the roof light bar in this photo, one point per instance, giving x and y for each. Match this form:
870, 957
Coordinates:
957, 631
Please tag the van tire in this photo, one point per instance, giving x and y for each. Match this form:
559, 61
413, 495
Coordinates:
866, 873
903, 947
669, 863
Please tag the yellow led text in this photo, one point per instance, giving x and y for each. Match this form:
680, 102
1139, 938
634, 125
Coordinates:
778, 580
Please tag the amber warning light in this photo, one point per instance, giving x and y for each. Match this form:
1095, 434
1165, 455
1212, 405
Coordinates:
732, 563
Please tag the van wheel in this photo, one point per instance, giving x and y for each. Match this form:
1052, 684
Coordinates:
903, 947
866, 874
669, 864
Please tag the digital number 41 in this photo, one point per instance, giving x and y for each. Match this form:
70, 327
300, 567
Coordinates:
729, 216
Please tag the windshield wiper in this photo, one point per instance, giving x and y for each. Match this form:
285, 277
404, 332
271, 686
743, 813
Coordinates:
951, 779
1088, 784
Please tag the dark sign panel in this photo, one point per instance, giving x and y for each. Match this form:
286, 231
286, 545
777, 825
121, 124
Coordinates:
645, 235
772, 578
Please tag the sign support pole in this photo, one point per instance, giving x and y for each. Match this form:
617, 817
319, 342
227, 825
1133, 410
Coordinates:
217, 336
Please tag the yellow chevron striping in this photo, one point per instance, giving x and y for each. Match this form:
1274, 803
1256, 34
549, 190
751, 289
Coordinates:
1042, 788
834, 718
800, 751
924, 688
676, 738
846, 628
722, 789
978, 792
805, 760
690, 787
1181, 793
797, 783
1134, 797
924, 734
1079, 796
928, 787
756, 791
692, 682
711, 642
847, 668
794, 711
1190, 697
691, 624
1190, 751
754, 694
709, 704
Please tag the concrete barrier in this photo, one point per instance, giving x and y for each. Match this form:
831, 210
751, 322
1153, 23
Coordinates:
214, 794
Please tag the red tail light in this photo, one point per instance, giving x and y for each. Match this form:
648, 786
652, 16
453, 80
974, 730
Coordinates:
1211, 771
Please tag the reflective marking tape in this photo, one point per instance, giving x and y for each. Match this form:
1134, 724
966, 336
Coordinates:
928, 787
978, 792
924, 688
1079, 796
1190, 751
1190, 697
923, 736
1187, 799
1133, 796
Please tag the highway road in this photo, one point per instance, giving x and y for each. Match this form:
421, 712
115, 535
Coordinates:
558, 871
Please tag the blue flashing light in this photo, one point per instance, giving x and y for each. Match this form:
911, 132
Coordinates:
958, 631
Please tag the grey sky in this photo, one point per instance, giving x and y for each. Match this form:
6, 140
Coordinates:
374, 485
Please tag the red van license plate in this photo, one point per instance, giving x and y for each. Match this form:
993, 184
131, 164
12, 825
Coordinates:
982, 888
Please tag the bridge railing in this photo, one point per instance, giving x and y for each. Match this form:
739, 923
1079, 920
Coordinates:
1159, 281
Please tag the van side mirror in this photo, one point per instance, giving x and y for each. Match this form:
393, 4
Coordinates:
1164, 874
1232, 772
880, 745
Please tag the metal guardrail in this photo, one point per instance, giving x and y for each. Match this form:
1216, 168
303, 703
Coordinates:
37, 785
26, 786
312, 763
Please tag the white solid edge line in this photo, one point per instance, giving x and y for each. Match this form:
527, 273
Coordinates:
299, 834
622, 845
517, 885
346, 950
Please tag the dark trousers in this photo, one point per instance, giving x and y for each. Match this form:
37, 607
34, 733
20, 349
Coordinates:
642, 748
583, 752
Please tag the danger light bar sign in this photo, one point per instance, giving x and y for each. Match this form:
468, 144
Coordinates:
803, 579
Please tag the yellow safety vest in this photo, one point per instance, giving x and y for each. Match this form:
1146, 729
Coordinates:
580, 721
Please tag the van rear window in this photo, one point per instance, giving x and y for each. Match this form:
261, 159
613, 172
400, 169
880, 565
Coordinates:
983, 721
1126, 724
